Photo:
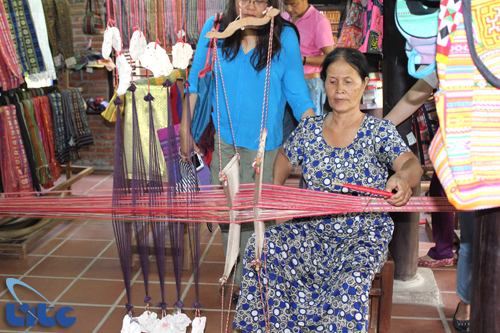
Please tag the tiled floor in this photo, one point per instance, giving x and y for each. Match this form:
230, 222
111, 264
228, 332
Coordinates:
77, 265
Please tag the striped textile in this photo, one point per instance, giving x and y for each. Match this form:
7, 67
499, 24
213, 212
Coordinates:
36, 10
61, 135
84, 138
466, 149
43, 114
10, 72
16, 175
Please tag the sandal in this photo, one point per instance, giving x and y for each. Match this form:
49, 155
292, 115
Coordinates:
460, 325
427, 261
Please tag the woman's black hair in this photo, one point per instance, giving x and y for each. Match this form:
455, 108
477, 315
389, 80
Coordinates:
352, 56
231, 45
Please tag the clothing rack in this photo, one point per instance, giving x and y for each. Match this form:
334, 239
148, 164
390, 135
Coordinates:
41, 228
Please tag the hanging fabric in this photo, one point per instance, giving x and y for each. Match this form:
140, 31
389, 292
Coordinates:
10, 71
465, 150
351, 34
373, 28
38, 16
59, 28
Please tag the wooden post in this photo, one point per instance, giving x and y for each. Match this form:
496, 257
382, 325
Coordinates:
485, 303
397, 81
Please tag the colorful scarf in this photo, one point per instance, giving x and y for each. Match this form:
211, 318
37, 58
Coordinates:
10, 72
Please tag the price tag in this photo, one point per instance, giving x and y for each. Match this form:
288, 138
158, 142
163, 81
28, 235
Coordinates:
90, 70
411, 139
57, 61
70, 62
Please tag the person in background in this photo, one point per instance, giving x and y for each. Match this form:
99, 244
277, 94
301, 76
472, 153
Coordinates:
316, 41
442, 223
243, 60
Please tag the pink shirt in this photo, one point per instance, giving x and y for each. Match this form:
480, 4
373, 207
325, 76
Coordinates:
315, 32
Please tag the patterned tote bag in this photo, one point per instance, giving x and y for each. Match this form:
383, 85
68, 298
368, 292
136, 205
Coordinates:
466, 150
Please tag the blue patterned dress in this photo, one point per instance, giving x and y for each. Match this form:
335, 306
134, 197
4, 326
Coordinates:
320, 269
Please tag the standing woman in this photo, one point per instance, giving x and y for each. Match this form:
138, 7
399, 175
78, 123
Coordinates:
320, 269
243, 60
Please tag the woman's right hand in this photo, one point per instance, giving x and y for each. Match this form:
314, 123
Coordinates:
187, 142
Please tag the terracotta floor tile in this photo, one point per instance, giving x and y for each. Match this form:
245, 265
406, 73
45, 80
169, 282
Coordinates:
63, 267
87, 319
211, 272
80, 248
49, 288
169, 271
215, 253
3, 286
93, 292
209, 296
452, 329
64, 230
214, 321
450, 302
114, 322
107, 269
95, 231
111, 252
44, 246
446, 279
416, 326
412, 310
14, 266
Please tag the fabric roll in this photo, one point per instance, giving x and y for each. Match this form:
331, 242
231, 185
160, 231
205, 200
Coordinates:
38, 16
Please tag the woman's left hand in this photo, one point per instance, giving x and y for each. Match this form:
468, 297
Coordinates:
403, 194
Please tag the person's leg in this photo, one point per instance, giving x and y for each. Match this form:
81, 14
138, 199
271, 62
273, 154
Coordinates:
317, 92
464, 265
442, 227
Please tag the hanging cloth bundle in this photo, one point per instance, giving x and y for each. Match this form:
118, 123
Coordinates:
466, 150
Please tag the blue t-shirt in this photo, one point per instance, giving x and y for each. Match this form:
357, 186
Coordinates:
245, 91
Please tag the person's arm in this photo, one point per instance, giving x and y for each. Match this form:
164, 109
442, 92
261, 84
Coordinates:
411, 101
408, 175
317, 61
198, 64
282, 168
294, 83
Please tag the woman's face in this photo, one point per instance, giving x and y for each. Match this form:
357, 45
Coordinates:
344, 87
251, 8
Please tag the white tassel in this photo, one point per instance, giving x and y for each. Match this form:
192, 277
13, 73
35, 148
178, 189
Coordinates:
199, 325
148, 321
109, 40
180, 323
124, 72
181, 54
130, 325
156, 60
138, 45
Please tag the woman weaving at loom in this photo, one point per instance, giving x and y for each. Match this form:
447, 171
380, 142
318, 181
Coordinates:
241, 93
319, 270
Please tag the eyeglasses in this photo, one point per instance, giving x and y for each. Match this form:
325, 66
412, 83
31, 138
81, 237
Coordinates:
257, 3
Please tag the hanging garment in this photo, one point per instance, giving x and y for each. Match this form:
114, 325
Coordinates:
16, 176
84, 136
61, 135
23, 31
38, 16
27, 146
10, 72
466, 149
160, 119
373, 28
59, 28
45, 123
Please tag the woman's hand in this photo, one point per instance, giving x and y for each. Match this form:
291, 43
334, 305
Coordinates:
398, 182
186, 142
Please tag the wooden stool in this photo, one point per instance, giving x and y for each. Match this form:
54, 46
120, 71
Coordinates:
381, 299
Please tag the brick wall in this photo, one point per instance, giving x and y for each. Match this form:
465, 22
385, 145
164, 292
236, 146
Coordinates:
100, 155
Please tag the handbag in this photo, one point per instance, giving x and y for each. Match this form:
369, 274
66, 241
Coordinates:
373, 28
351, 34
93, 22
465, 151
418, 24
203, 106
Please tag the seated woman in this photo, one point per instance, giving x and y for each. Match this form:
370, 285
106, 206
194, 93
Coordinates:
320, 269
